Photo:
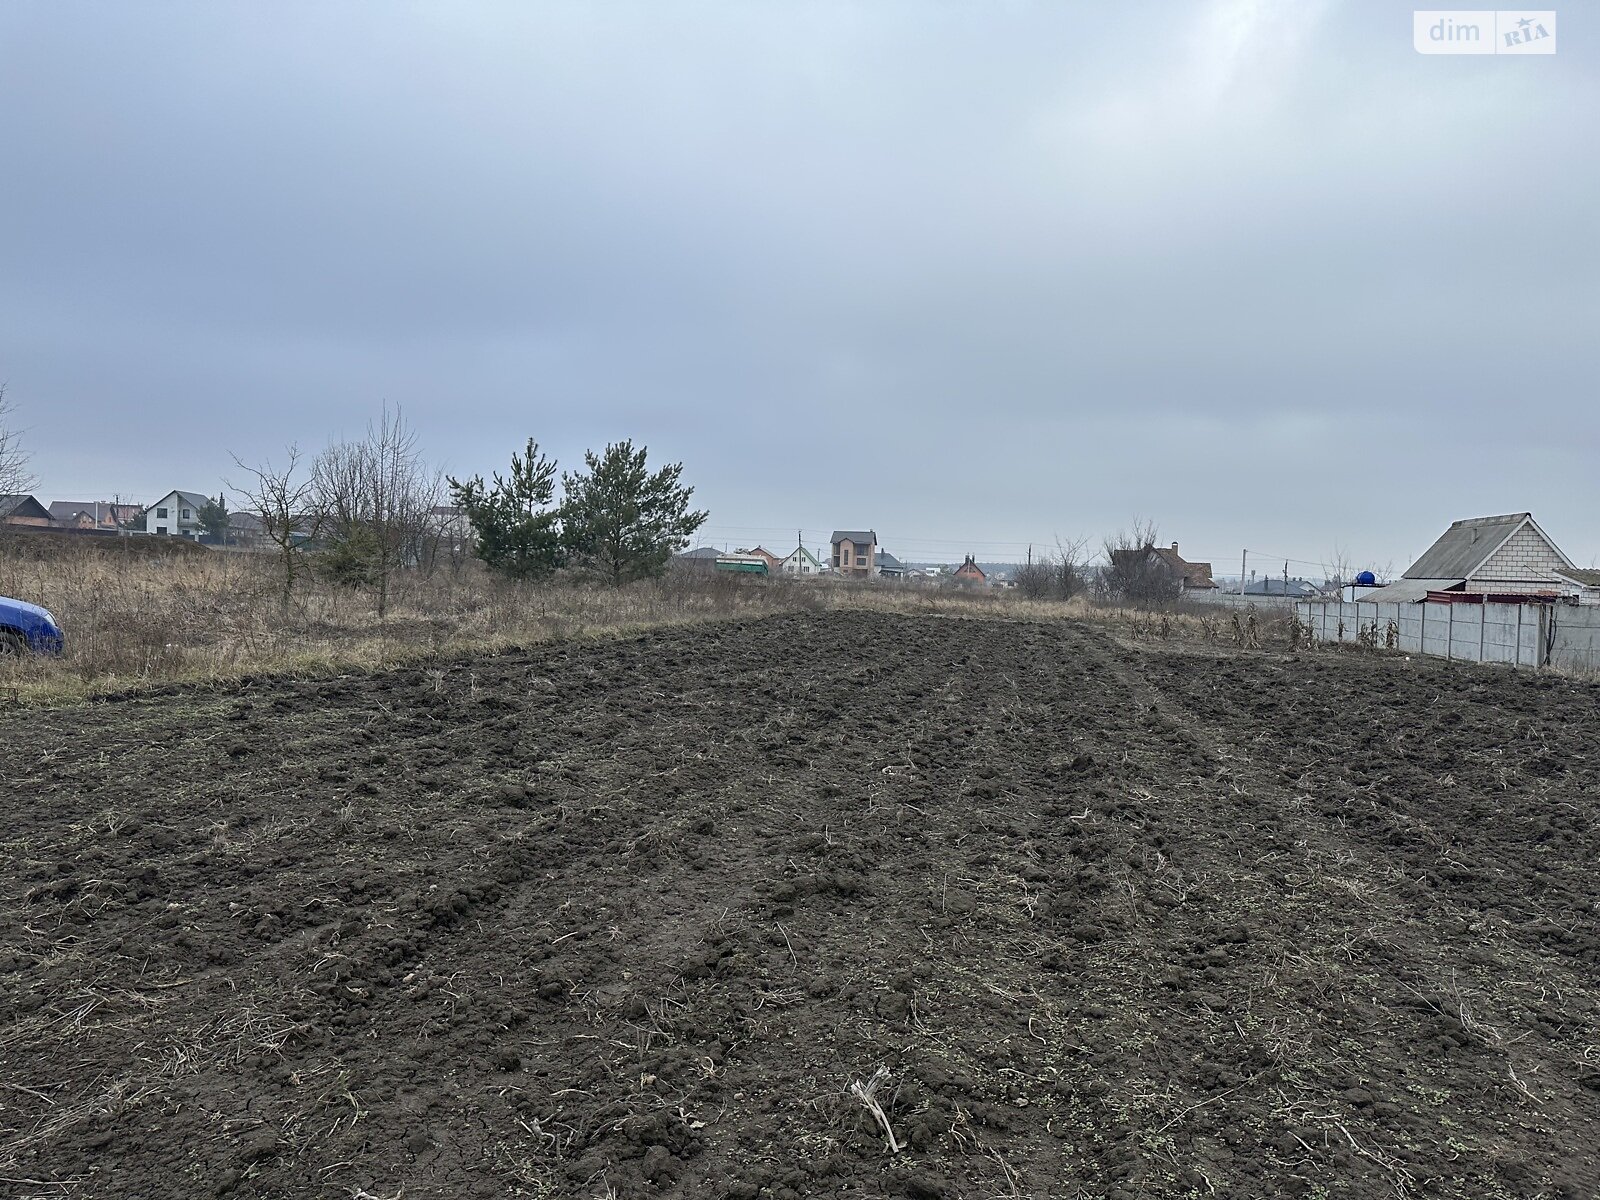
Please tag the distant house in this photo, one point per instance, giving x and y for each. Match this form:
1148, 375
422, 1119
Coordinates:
1507, 555
772, 560
450, 522
23, 510
801, 561
1190, 576
889, 566
855, 552
703, 558
93, 514
1297, 589
177, 514
970, 574
246, 529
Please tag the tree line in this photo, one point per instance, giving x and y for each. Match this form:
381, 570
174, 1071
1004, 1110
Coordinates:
360, 510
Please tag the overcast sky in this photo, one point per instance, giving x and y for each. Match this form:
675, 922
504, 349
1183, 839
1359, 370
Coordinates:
970, 274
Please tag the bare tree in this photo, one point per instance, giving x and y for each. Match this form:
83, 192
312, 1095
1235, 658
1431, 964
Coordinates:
1135, 572
15, 477
376, 497
1058, 576
286, 505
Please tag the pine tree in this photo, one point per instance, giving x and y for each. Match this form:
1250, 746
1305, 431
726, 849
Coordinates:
622, 522
518, 530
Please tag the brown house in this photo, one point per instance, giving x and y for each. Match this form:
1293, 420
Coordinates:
855, 552
1193, 576
23, 510
971, 573
1190, 576
93, 514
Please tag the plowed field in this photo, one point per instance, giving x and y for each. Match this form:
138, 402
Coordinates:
627, 918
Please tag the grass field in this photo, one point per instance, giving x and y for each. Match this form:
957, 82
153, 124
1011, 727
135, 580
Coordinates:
628, 917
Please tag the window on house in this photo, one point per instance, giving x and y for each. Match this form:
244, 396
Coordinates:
162, 513
861, 560
185, 515
161, 528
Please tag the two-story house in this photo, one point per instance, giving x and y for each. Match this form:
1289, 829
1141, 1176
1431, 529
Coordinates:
177, 514
855, 552
801, 561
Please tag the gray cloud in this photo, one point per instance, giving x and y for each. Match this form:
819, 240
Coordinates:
973, 274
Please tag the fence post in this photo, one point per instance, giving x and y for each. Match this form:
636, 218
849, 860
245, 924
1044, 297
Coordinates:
1450, 632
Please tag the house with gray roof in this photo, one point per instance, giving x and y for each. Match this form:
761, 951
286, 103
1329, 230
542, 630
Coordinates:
177, 514
1508, 555
855, 552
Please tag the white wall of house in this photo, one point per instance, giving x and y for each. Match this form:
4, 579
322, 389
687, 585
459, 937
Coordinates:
167, 516
1526, 563
799, 563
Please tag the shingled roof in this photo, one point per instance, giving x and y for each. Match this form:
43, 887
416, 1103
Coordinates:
856, 537
1193, 574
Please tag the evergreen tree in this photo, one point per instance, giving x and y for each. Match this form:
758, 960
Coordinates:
518, 531
213, 519
621, 522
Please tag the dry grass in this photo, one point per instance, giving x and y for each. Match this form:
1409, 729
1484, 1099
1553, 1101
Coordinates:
141, 619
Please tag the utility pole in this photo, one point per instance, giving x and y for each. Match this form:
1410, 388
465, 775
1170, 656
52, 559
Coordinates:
1244, 558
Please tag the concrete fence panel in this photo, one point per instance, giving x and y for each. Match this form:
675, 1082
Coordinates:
1519, 635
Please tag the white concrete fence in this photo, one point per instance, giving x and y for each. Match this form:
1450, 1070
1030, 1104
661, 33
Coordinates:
1519, 635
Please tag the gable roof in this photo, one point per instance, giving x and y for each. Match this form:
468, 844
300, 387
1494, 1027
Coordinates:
856, 537
193, 499
801, 552
885, 559
22, 506
1589, 578
1467, 545
1190, 574
703, 552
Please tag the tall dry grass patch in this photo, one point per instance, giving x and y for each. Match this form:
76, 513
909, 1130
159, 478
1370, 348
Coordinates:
136, 616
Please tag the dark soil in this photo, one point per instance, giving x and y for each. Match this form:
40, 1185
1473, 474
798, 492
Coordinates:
628, 918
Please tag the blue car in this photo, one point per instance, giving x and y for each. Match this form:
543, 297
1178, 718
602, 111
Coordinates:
28, 629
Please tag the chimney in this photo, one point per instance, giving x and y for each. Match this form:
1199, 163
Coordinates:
1174, 547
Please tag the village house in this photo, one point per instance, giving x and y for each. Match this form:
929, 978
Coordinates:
702, 557
23, 510
855, 552
970, 574
93, 514
889, 567
177, 514
246, 530
801, 561
1508, 555
1191, 577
